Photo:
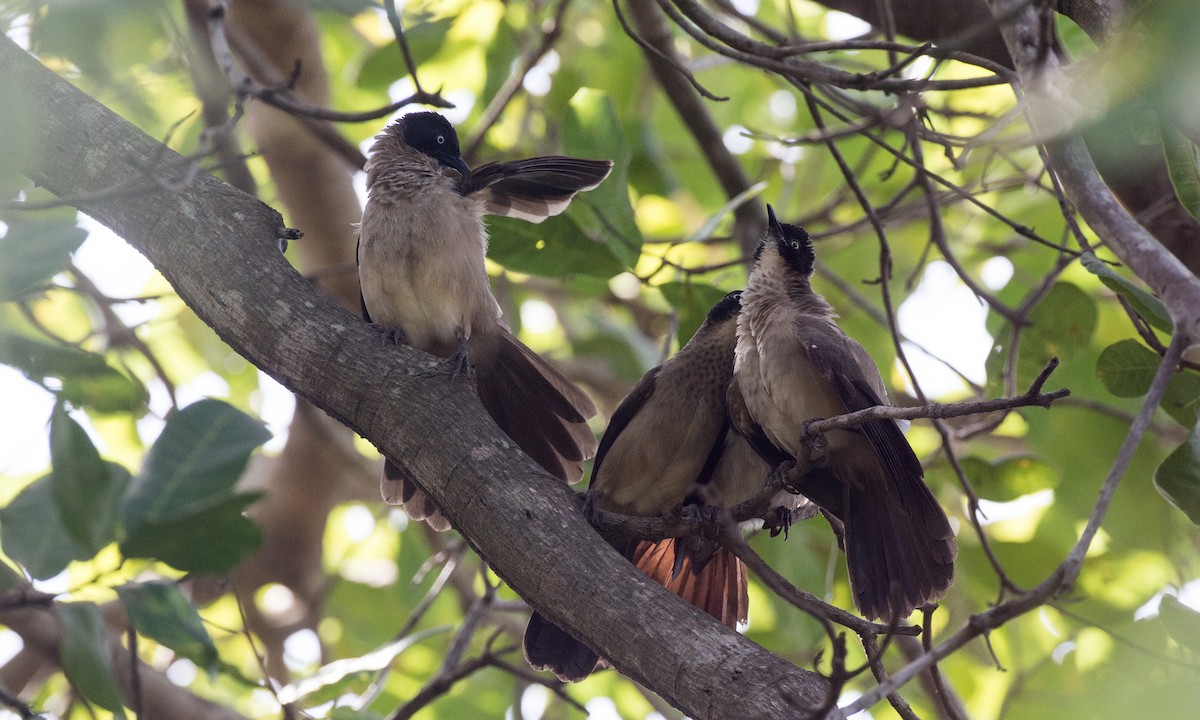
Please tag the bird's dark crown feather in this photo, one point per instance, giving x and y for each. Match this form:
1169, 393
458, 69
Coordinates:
727, 307
795, 246
431, 134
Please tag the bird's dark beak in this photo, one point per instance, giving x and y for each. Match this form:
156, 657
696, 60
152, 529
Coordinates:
460, 165
773, 222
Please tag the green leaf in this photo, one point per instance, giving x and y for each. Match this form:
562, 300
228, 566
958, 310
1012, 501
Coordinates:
1009, 478
1146, 305
385, 64
592, 129
194, 464
86, 657
692, 301
33, 251
1182, 399
1178, 477
86, 379
162, 613
212, 540
32, 532
552, 248
1182, 623
1127, 367
1061, 326
85, 488
1183, 165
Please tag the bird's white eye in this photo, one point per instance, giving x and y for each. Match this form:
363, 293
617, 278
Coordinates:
441, 139
795, 244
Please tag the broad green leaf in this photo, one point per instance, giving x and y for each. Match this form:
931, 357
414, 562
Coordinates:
1061, 326
556, 247
1009, 478
1183, 165
385, 64
33, 251
212, 540
10, 579
1182, 622
86, 489
498, 61
86, 656
160, 611
194, 464
86, 379
1149, 307
1178, 477
1127, 367
1182, 399
593, 130
692, 300
32, 532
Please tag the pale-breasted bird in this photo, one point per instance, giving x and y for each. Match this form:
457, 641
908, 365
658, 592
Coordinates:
794, 364
421, 249
670, 443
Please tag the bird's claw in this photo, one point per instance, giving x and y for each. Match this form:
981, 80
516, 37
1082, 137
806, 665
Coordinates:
816, 442
778, 521
460, 364
390, 333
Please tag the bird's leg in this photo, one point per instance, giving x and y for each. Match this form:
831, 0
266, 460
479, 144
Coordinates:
460, 361
816, 443
390, 333
782, 475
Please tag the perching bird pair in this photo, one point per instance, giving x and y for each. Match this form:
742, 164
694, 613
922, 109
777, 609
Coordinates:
707, 427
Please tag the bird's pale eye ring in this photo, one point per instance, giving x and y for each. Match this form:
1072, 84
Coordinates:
441, 139
795, 244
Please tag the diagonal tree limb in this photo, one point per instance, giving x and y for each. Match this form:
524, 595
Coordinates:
217, 247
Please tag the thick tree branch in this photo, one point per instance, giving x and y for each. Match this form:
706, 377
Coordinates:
216, 246
1043, 83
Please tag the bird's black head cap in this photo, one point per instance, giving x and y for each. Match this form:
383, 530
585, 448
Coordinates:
795, 246
726, 308
433, 135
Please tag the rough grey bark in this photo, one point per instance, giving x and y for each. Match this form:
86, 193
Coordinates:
217, 247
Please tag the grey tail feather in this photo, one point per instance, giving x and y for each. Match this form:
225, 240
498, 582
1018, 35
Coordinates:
899, 557
398, 488
539, 408
549, 647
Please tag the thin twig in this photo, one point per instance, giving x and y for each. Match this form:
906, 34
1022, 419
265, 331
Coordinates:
1063, 577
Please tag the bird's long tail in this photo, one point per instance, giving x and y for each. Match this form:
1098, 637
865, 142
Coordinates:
718, 588
398, 488
538, 407
900, 549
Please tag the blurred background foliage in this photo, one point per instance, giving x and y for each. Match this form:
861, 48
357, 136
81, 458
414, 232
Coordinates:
119, 477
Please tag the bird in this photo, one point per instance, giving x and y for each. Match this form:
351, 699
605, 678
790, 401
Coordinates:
421, 249
669, 444
792, 365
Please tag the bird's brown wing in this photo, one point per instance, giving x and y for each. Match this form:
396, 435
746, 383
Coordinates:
625, 412
536, 188
746, 426
900, 549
